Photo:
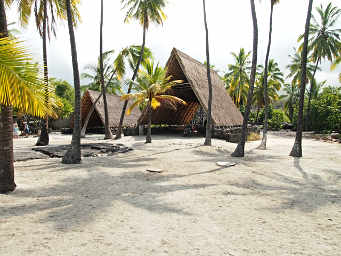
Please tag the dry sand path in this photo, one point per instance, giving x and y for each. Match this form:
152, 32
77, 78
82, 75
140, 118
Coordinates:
268, 204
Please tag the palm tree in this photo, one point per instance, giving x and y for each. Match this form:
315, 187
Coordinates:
297, 148
151, 85
239, 151
108, 134
45, 12
73, 156
22, 89
237, 77
146, 12
208, 140
295, 69
291, 97
265, 80
275, 81
93, 73
112, 74
325, 41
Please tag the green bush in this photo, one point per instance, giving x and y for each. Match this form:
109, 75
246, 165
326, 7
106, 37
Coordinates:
326, 110
252, 117
278, 117
261, 114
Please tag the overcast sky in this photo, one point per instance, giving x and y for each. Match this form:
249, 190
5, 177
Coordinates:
230, 27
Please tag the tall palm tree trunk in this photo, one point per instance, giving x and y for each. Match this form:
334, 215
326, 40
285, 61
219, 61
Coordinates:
239, 151
124, 109
308, 114
108, 134
7, 183
297, 148
265, 84
291, 111
73, 156
149, 129
209, 125
43, 139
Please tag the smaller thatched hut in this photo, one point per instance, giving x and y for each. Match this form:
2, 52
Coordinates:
115, 106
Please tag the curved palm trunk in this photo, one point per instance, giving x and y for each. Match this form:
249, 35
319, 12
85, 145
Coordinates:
73, 156
239, 151
119, 131
92, 109
108, 134
43, 139
209, 125
7, 183
297, 148
308, 115
265, 84
149, 129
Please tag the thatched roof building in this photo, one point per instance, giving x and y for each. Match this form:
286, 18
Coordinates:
194, 90
115, 106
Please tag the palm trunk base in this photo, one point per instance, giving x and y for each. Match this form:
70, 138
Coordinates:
262, 146
208, 142
6, 188
83, 132
296, 150
118, 135
108, 135
149, 134
71, 157
43, 139
239, 151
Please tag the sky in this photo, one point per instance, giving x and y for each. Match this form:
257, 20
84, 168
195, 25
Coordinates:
229, 22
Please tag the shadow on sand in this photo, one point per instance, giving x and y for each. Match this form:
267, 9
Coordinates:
307, 193
76, 201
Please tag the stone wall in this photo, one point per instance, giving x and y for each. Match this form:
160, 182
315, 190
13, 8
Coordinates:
232, 134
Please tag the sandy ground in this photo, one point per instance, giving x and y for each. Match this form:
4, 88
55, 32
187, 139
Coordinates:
268, 204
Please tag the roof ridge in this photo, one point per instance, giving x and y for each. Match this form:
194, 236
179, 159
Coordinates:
185, 55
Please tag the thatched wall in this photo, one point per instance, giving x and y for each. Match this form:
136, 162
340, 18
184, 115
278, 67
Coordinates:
194, 91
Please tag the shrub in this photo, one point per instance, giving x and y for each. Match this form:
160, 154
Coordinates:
277, 119
261, 114
326, 110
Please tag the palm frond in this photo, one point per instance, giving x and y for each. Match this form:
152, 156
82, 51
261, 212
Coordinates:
21, 85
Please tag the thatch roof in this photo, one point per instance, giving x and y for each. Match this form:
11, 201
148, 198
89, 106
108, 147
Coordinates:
115, 106
194, 91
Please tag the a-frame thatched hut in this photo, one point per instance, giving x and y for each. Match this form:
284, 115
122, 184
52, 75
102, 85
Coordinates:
194, 90
115, 106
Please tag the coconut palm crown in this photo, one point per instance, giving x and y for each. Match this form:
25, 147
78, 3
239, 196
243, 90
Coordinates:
237, 77
145, 11
151, 86
325, 40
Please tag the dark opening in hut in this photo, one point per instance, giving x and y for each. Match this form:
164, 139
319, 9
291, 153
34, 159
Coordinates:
194, 90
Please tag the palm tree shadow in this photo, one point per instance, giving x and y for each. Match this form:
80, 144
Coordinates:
78, 200
306, 194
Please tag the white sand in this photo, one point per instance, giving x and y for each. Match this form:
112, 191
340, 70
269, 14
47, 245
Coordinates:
268, 204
